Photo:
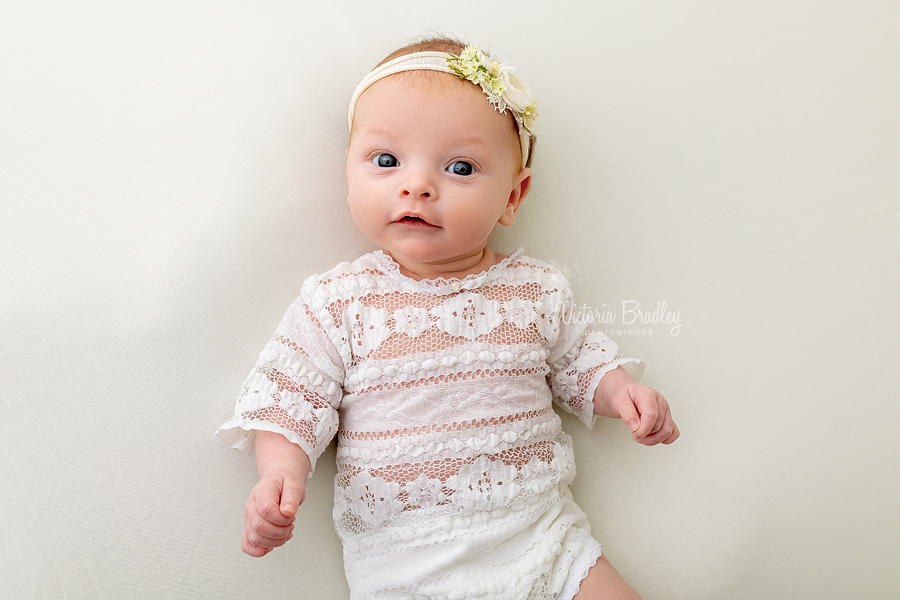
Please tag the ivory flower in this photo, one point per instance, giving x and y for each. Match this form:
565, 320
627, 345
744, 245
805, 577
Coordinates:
499, 81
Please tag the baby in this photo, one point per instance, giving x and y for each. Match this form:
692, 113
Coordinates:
435, 360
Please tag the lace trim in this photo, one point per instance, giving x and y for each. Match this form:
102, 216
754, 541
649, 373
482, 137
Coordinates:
443, 428
481, 492
441, 285
579, 570
489, 441
498, 519
454, 376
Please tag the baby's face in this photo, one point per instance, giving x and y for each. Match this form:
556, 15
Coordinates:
431, 169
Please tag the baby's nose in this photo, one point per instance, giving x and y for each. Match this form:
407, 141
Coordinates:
420, 194
418, 185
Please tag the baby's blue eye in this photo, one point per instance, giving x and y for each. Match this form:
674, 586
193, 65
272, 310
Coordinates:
461, 167
386, 160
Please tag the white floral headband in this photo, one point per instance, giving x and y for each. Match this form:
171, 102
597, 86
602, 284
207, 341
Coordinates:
501, 85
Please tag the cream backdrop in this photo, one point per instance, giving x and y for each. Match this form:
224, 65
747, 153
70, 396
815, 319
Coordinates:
170, 173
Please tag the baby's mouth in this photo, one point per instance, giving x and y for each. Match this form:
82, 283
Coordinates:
414, 220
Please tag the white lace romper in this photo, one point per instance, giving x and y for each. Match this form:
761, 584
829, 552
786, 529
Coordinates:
453, 470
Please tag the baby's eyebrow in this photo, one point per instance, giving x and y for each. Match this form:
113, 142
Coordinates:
468, 141
453, 142
375, 130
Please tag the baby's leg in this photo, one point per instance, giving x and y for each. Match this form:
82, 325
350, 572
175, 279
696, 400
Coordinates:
604, 583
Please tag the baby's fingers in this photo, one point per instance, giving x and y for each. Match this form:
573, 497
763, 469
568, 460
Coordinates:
257, 546
661, 419
262, 534
259, 530
265, 501
254, 551
638, 409
654, 410
630, 416
667, 434
292, 495
650, 416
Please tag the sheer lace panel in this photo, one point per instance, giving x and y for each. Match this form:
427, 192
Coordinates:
442, 470
444, 428
282, 420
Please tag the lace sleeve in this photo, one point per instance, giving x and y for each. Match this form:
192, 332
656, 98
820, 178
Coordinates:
295, 389
578, 360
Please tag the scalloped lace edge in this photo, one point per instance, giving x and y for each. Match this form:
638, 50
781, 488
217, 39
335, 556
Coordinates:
587, 559
440, 285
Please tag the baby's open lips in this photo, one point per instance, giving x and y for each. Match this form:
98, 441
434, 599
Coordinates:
413, 219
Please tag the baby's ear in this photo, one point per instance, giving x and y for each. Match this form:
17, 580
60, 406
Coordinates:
521, 187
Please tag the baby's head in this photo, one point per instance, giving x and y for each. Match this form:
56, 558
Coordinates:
516, 93
440, 144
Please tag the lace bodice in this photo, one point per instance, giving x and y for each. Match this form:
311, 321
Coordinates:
439, 392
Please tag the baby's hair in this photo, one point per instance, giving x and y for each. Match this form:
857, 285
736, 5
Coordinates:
430, 44
453, 46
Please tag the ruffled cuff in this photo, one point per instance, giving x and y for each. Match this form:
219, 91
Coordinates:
241, 434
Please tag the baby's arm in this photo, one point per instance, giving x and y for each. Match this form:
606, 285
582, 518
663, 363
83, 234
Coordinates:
643, 410
272, 506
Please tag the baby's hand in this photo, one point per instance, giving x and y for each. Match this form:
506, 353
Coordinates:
643, 410
269, 513
646, 413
